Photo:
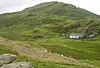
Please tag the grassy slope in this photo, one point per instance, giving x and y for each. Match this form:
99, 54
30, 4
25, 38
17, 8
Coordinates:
43, 23
81, 50
27, 53
87, 51
47, 20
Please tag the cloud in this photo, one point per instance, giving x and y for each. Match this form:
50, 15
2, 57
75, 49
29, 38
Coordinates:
14, 5
17, 5
90, 5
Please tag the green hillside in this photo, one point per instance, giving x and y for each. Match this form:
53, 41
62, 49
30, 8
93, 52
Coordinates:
42, 25
48, 19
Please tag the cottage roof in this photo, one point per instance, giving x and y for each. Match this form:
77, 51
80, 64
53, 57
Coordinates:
77, 34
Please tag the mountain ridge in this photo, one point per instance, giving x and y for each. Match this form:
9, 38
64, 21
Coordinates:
58, 7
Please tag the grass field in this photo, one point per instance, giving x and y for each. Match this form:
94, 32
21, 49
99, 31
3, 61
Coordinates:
54, 47
87, 51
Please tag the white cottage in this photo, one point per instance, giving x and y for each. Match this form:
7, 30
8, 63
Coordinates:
76, 35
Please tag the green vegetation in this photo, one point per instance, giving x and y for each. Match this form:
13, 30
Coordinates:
47, 20
84, 49
41, 26
35, 62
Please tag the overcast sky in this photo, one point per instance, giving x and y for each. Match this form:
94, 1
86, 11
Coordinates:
18, 5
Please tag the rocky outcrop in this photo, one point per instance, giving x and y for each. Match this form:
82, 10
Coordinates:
7, 58
18, 65
6, 61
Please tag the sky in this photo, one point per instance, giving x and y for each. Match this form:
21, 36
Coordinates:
18, 5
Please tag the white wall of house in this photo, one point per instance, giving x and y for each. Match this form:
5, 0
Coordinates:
74, 37
77, 37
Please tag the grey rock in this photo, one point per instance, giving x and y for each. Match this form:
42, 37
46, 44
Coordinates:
18, 65
7, 58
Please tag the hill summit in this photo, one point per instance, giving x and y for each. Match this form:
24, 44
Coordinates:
59, 8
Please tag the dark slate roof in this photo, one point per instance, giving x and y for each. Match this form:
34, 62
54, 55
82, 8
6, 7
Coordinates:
77, 34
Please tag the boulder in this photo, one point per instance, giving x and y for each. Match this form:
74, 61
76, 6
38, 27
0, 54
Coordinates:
18, 65
7, 58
